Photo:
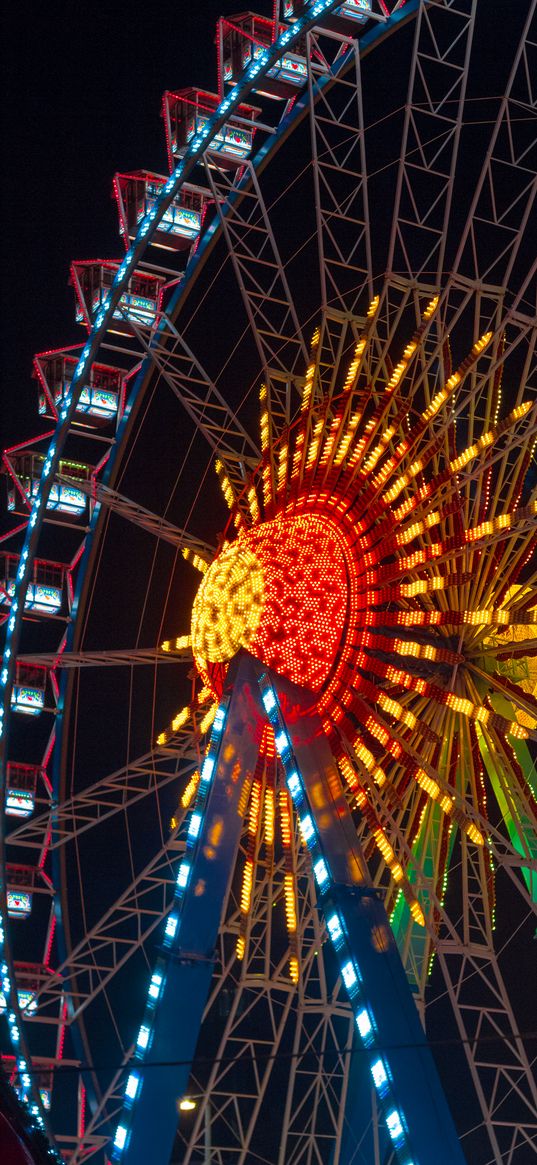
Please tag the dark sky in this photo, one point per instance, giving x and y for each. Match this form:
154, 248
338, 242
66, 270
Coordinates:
82, 90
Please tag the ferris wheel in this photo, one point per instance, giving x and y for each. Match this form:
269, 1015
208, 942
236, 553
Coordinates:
269, 855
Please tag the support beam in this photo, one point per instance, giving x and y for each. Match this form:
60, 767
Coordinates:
184, 970
392, 1039
142, 517
127, 657
392, 1042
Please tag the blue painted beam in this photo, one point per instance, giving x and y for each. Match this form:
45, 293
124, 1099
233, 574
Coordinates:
185, 967
401, 1064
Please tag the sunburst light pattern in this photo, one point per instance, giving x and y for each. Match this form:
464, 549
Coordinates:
380, 556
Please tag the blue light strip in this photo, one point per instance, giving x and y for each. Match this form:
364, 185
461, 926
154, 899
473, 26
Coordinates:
335, 925
170, 937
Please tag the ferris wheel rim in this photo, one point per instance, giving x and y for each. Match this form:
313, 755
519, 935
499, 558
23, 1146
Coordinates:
90, 354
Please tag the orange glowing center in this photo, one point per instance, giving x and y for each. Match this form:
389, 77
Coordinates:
281, 590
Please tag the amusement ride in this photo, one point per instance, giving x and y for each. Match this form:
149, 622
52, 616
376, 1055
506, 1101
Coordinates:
269, 598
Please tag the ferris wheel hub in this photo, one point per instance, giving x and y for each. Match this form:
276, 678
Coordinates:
280, 591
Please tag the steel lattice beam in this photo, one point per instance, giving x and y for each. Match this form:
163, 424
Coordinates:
340, 181
430, 140
129, 657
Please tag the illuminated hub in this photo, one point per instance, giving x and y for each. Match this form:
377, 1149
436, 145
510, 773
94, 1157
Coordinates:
281, 591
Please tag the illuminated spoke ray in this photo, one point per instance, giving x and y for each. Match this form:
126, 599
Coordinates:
198, 715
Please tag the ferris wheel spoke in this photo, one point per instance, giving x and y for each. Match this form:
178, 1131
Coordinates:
140, 516
340, 180
512, 778
126, 657
430, 139
115, 793
184, 373
259, 270
519, 700
501, 215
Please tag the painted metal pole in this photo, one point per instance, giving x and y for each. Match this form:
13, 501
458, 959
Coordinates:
414, 1109
189, 961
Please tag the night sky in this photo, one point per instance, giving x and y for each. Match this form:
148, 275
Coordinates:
82, 91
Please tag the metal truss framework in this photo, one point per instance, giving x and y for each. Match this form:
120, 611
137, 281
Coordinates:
502, 1071
340, 181
126, 658
429, 147
258, 268
316, 1025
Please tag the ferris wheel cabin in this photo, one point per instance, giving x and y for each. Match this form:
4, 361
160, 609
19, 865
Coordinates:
351, 13
138, 307
187, 113
28, 696
30, 976
43, 1068
45, 589
180, 226
65, 498
20, 890
241, 40
99, 401
21, 786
